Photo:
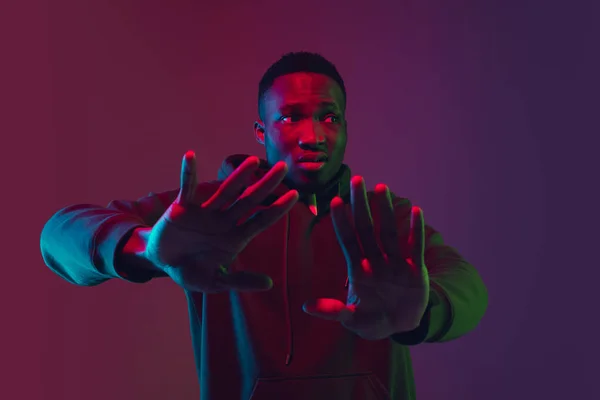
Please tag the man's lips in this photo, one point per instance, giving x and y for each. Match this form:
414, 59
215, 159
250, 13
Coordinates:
312, 158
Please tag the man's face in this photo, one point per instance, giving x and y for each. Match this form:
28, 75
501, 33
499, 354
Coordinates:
304, 125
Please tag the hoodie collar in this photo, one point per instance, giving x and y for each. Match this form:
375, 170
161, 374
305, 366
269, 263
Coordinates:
317, 202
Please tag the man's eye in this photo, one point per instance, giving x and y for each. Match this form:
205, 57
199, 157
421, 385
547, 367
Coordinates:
287, 119
331, 118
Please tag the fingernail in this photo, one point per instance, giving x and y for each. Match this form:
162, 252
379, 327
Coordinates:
356, 180
381, 188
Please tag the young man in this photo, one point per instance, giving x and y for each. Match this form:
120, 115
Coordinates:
300, 283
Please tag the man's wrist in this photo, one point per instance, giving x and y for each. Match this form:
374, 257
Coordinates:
440, 315
130, 259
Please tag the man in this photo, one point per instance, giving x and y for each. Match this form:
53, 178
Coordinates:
300, 283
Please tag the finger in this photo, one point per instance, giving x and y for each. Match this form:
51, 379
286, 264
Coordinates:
388, 231
267, 217
329, 309
188, 179
416, 239
344, 231
363, 221
255, 194
231, 187
246, 282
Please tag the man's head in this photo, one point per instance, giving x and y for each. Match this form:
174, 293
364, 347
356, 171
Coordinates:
301, 108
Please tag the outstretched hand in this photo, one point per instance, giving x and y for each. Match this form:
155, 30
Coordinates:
195, 240
388, 286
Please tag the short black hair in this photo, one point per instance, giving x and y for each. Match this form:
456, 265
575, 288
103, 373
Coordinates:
301, 61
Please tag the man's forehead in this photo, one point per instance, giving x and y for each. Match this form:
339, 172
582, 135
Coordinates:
300, 86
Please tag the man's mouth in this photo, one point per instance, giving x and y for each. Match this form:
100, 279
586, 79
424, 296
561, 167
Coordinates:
312, 162
313, 158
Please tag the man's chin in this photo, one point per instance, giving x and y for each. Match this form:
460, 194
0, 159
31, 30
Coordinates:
307, 180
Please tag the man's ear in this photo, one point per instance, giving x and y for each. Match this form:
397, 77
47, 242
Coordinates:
259, 132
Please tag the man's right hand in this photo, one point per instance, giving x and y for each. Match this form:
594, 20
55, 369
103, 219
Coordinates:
195, 240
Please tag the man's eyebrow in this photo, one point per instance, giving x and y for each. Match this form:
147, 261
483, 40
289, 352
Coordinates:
299, 106
292, 106
328, 104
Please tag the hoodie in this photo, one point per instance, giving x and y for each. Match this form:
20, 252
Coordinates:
261, 345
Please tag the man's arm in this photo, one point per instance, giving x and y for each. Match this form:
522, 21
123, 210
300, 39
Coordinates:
458, 297
87, 244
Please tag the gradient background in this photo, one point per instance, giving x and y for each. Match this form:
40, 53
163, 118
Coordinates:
484, 113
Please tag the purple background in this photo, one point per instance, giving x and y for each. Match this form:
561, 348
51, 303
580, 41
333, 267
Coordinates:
481, 112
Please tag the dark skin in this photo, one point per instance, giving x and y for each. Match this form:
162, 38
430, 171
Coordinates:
304, 113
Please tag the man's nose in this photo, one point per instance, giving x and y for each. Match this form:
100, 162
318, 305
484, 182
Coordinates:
311, 138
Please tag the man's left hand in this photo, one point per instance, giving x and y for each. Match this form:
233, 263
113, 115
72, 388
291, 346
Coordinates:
388, 284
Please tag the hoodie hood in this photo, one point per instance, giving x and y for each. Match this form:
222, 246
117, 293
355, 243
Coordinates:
318, 202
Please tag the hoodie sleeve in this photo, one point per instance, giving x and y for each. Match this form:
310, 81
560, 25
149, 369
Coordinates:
458, 296
79, 243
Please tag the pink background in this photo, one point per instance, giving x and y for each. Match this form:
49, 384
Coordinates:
481, 112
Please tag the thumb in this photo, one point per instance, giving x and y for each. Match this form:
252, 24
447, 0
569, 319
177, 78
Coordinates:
329, 309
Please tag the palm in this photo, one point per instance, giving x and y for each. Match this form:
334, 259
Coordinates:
196, 238
385, 304
388, 288
214, 241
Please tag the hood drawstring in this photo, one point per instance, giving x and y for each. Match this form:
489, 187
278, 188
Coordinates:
286, 295
339, 193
